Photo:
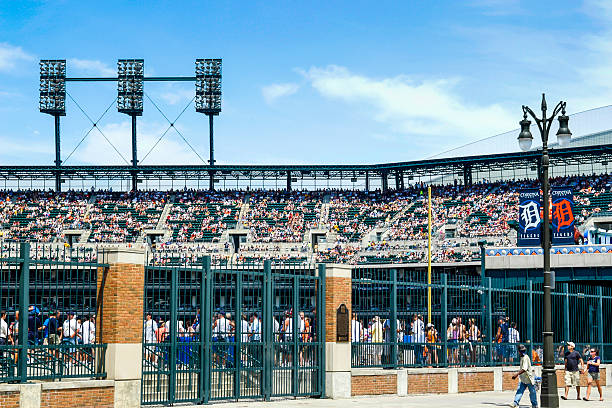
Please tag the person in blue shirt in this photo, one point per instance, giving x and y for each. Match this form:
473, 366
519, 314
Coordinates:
592, 367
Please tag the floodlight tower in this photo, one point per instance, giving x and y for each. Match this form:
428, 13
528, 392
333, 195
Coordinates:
130, 90
208, 99
53, 102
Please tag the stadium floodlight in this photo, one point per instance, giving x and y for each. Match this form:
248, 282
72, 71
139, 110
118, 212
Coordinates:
208, 86
549, 396
208, 97
130, 90
53, 87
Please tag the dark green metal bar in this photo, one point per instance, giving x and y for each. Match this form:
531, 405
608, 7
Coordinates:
566, 313
444, 313
24, 302
530, 317
206, 332
321, 327
600, 320
146, 79
173, 324
238, 337
202, 341
483, 271
296, 335
393, 322
268, 335
489, 322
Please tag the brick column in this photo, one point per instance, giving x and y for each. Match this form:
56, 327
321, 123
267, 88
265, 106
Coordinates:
120, 292
337, 355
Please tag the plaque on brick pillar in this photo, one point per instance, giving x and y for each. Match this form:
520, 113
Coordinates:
342, 324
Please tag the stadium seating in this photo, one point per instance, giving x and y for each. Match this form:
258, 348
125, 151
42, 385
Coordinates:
359, 227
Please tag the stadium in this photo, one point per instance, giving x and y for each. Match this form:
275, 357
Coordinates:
254, 251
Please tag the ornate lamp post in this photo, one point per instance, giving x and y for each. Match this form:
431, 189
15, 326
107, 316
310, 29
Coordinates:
549, 397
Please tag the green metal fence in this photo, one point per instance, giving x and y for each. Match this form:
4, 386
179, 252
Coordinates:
232, 332
50, 292
472, 324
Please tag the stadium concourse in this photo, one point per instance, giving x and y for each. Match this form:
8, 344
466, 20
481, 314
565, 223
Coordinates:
329, 226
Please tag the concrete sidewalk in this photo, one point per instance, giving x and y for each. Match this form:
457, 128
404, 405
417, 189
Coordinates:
480, 399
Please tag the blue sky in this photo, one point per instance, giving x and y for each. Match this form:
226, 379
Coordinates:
303, 82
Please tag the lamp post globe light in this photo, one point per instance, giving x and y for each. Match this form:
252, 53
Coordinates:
548, 397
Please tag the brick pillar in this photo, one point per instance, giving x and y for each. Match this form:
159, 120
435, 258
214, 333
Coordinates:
337, 355
120, 292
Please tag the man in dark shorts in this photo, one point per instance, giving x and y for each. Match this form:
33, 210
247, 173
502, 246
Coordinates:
573, 365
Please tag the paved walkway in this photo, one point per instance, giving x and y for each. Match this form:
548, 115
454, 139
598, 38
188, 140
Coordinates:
478, 400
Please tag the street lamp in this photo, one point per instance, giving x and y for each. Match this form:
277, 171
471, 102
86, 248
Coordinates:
549, 397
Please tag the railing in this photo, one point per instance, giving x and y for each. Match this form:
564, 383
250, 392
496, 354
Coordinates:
470, 324
50, 291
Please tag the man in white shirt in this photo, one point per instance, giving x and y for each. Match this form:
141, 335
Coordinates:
149, 335
70, 330
88, 330
418, 336
88, 334
356, 330
513, 337
244, 329
255, 328
3, 329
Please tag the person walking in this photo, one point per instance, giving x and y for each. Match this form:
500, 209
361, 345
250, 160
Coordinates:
526, 379
4, 329
573, 365
592, 367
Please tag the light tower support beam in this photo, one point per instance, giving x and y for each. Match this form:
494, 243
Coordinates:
58, 160
134, 155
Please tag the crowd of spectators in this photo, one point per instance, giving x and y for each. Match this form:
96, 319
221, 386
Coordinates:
276, 223
282, 216
122, 217
199, 216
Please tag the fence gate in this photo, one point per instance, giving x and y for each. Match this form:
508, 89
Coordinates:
232, 332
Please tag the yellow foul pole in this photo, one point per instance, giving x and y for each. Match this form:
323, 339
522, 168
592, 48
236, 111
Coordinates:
429, 254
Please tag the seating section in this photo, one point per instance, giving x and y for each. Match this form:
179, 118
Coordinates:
274, 224
202, 217
40, 216
124, 217
282, 216
352, 214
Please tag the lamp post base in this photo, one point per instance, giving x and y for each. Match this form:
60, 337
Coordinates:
549, 397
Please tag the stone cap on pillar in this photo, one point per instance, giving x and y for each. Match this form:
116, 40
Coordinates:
134, 254
338, 271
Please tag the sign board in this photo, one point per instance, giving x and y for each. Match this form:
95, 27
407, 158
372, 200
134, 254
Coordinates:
342, 324
562, 215
530, 219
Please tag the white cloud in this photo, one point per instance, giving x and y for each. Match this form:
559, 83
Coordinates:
272, 92
13, 148
175, 96
10, 56
91, 67
171, 150
427, 107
